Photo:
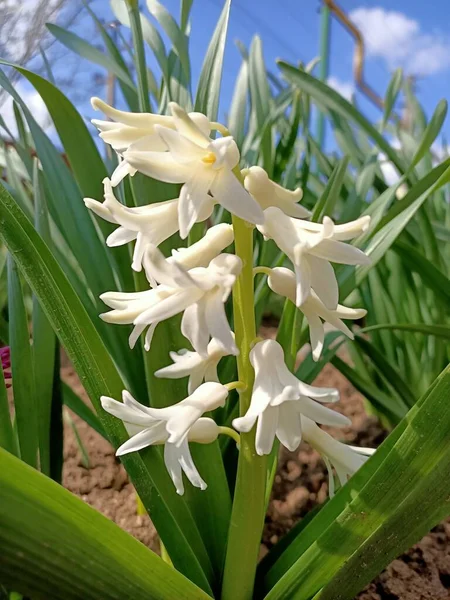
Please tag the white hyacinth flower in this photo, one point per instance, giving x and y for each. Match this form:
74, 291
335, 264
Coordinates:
200, 292
282, 281
202, 164
151, 224
195, 366
174, 426
268, 193
311, 247
279, 400
126, 128
346, 460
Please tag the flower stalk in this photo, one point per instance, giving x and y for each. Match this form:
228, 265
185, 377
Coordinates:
247, 517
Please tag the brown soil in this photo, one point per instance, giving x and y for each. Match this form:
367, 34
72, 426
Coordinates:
422, 573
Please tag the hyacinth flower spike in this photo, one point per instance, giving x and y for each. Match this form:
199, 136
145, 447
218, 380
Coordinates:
282, 281
346, 460
311, 247
268, 193
203, 165
151, 224
279, 400
174, 426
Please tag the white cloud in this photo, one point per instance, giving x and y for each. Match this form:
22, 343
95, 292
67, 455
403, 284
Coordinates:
399, 40
34, 103
345, 88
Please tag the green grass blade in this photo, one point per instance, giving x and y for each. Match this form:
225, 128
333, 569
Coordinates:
392, 92
431, 132
437, 330
99, 376
325, 204
84, 49
208, 89
22, 368
239, 103
46, 531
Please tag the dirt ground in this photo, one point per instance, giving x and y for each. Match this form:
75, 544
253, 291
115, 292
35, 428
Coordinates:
422, 573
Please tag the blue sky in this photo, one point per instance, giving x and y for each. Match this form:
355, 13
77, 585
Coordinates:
397, 33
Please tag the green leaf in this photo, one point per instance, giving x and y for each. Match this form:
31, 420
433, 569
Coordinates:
53, 545
208, 89
176, 36
393, 224
392, 92
22, 368
389, 371
430, 134
238, 107
99, 376
327, 200
363, 526
260, 101
86, 50
437, 330
429, 273
80, 408
328, 98
44, 348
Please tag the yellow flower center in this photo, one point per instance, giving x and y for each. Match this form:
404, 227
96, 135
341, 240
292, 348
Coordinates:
210, 158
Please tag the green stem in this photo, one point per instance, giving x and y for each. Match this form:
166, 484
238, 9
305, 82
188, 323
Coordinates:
247, 517
139, 51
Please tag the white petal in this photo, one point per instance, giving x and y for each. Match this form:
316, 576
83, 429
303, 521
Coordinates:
201, 253
194, 199
99, 209
317, 334
169, 306
322, 414
171, 460
187, 464
341, 253
289, 428
194, 328
228, 192
191, 125
204, 431
323, 281
159, 165
147, 437
125, 413
265, 430
149, 335
135, 334
121, 171
302, 274
165, 272
216, 320
186, 363
195, 380
120, 236
182, 149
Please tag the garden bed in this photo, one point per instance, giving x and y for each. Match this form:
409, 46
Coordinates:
422, 573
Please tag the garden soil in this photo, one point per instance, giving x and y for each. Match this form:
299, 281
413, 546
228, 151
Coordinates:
422, 573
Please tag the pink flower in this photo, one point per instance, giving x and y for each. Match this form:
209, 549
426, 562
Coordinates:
5, 355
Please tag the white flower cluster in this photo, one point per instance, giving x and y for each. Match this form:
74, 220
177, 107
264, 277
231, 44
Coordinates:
197, 281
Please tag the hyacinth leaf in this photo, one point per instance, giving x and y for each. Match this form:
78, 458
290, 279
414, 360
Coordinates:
76, 405
238, 108
430, 134
86, 50
436, 330
391, 96
175, 34
363, 526
392, 225
130, 94
208, 89
99, 376
328, 98
63, 531
22, 369
260, 101
46, 368
325, 204
429, 273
